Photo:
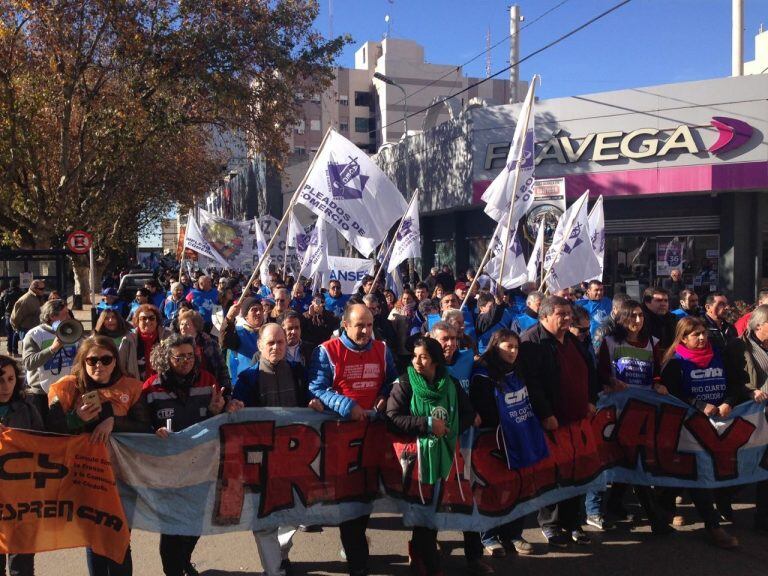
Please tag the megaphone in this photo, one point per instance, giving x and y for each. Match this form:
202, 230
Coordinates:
69, 331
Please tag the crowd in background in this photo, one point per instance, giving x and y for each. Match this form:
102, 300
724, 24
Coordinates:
184, 349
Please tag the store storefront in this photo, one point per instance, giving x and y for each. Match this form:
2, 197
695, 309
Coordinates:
685, 164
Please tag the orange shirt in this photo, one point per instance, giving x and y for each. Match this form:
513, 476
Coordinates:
122, 394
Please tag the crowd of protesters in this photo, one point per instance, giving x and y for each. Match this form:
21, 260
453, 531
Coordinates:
524, 363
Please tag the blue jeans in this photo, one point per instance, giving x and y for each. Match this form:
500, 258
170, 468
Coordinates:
504, 533
593, 503
13, 337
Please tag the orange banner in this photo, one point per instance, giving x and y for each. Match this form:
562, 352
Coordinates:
58, 492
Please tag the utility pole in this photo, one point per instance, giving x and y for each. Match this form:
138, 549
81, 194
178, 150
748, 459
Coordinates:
488, 53
514, 51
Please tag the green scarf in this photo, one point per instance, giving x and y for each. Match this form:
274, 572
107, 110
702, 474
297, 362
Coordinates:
435, 454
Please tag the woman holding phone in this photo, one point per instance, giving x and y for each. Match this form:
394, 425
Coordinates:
97, 398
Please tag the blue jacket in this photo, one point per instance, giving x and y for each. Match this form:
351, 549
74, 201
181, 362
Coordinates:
321, 374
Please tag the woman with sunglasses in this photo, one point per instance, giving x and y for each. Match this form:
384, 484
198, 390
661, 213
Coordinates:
112, 325
149, 331
629, 357
114, 408
693, 371
16, 412
178, 396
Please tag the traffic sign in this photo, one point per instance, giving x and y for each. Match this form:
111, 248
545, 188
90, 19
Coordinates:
79, 242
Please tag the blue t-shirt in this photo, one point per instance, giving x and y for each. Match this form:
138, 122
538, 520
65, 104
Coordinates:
204, 302
598, 311
336, 305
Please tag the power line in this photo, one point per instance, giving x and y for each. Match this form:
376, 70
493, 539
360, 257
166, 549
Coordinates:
458, 68
527, 57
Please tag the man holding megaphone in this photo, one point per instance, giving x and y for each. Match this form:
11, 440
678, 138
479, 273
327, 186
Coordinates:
49, 350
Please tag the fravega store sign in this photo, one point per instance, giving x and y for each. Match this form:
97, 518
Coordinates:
638, 144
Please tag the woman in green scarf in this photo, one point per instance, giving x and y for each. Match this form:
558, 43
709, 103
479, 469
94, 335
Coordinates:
430, 405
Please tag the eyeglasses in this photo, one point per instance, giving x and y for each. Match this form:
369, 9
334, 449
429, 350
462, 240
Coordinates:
147, 319
183, 357
104, 360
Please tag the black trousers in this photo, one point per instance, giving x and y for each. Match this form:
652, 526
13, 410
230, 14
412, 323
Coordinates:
354, 543
176, 553
702, 498
102, 566
565, 515
18, 564
424, 548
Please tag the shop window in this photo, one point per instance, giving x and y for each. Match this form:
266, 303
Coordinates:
445, 253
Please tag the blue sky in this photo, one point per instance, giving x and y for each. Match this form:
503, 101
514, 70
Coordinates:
646, 42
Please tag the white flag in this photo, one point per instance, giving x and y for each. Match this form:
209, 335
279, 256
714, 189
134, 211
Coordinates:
408, 239
194, 240
348, 190
515, 271
261, 248
297, 238
571, 259
597, 234
316, 256
538, 253
499, 194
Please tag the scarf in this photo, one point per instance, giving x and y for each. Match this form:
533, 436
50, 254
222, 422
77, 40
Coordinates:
760, 355
438, 400
145, 343
700, 358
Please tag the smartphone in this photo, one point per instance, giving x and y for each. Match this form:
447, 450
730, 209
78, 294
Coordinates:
92, 398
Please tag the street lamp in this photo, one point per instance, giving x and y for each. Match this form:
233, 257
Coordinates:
388, 80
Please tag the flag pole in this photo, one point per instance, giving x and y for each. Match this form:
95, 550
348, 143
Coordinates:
184, 246
559, 251
264, 256
285, 254
482, 265
514, 193
392, 244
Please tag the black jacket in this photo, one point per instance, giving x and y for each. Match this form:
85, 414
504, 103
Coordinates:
8, 299
22, 414
541, 370
660, 327
672, 378
720, 337
401, 420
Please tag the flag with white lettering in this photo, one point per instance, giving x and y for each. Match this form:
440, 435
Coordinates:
538, 253
521, 158
261, 248
348, 190
515, 269
571, 259
408, 239
597, 233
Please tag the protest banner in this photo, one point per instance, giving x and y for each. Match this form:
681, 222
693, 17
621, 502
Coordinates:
263, 468
349, 271
58, 492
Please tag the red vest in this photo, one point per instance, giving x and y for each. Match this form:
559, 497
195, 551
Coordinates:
358, 375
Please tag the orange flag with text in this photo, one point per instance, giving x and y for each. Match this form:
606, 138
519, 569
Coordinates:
58, 492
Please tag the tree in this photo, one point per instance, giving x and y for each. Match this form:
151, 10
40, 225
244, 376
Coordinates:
108, 107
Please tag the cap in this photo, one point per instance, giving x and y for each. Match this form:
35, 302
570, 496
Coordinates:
460, 286
248, 303
109, 292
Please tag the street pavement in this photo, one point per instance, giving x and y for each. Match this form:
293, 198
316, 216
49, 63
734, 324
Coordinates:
625, 551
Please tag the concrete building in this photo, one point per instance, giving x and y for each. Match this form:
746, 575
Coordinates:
760, 64
687, 160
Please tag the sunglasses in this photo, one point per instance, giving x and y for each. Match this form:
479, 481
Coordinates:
147, 319
104, 360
